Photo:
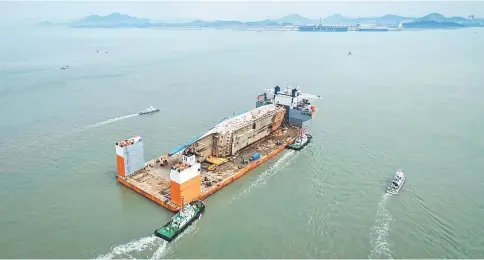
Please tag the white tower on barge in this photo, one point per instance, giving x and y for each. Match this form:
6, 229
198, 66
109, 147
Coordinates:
130, 156
185, 181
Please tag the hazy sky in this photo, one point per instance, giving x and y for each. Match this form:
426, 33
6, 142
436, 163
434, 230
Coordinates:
57, 11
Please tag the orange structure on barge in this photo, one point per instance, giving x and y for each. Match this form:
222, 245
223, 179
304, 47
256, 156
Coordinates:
220, 156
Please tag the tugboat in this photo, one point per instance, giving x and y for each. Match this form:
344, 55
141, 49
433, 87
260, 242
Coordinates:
397, 182
301, 141
149, 110
178, 223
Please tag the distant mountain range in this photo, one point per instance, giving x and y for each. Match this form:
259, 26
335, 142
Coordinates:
435, 20
118, 20
112, 20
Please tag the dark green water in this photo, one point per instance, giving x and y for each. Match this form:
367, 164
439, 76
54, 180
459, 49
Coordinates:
410, 100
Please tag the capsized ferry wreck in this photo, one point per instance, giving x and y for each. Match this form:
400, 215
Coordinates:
229, 150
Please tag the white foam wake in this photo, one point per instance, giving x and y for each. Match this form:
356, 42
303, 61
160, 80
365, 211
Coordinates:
32, 73
146, 245
111, 120
138, 246
379, 232
159, 252
283, 162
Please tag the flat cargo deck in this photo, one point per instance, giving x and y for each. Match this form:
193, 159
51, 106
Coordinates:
153, 181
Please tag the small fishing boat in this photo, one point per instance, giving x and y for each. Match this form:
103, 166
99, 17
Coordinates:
397, 182
184, 218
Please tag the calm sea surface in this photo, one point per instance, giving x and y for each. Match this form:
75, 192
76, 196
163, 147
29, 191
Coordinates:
410, 100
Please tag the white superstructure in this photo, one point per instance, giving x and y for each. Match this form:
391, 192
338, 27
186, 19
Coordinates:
130, 156
188, 169
185, 181
288, 96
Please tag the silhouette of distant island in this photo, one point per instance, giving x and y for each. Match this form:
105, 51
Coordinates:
111, 20
431, 21
435, 20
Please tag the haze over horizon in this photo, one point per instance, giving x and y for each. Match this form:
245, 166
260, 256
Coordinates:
14, 12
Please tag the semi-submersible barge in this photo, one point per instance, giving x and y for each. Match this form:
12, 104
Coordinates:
232, 148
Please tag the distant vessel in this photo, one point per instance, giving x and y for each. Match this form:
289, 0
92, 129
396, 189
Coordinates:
397, 182
181, 220
64, 67
149, 110
323, 28
371, 28
300, 142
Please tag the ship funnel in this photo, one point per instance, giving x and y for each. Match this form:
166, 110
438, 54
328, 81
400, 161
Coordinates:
277, 89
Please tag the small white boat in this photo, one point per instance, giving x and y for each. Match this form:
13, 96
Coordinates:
397, 182
149, 110
64, 67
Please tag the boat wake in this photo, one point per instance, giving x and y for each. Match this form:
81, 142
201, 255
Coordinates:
143, 247
283, 162
379, 232
32, 73
111, 121
139, 246
160, 251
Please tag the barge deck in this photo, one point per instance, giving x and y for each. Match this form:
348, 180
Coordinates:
153, 181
